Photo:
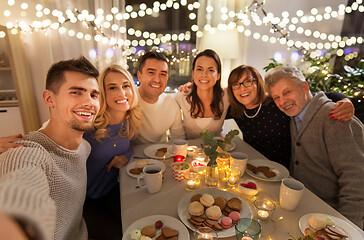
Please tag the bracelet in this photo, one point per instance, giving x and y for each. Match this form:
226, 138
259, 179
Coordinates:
29, 230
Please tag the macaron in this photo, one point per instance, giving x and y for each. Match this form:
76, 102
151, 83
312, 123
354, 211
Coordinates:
235, 216
213, 212
207, 200
226, 222
196, 208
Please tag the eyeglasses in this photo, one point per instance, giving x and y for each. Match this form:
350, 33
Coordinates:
247, 83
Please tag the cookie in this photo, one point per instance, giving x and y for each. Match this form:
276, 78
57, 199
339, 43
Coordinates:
217, 227
235, 204
250, 167
213, 212
261, 169
207, 200
161, 237
163, 149
269, 174
136, 171
194, 223
196, 197
169, 232
210, 222
159, 153
198, 219
220, 202
196, 209
148, 231
227, 211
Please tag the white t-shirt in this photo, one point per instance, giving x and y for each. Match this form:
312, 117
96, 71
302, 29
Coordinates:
194, 126
159, 117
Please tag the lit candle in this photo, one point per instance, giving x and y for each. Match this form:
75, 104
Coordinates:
191, 184
191, 148
178, 158
205, 236
232, 180
262, 214
246, 238
191, 180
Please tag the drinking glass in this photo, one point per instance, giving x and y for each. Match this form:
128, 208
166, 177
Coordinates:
246, 227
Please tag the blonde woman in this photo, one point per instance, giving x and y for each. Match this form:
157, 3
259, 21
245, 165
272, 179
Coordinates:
111, 147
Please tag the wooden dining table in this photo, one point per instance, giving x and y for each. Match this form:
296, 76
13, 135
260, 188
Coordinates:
137, 203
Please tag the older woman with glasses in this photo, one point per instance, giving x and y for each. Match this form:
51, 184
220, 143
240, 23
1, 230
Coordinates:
263, 125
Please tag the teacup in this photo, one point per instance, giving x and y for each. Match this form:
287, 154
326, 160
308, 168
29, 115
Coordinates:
152, 176
179, 147
290, 193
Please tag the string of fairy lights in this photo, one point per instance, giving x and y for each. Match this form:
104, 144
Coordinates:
103, 26
102, 22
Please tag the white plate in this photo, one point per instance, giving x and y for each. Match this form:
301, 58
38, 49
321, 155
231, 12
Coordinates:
185, 202
150, 162
280, 171
167, 222
350, 230
152, 149
232, 145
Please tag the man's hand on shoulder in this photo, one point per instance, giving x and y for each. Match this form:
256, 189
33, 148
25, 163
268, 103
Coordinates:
7, 143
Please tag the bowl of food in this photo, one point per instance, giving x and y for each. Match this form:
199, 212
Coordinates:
179, 169
249, 187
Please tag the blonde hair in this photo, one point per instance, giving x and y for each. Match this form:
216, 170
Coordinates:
133, 115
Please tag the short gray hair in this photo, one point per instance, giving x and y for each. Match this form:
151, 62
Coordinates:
283, 72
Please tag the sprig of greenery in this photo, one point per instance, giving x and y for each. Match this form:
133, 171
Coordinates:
211, 144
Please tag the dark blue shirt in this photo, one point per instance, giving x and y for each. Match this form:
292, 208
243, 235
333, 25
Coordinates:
99, 180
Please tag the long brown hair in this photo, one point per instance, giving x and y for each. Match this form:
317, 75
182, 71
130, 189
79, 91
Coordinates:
237, 108
194, 100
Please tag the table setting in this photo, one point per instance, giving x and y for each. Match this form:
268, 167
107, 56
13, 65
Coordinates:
272, 205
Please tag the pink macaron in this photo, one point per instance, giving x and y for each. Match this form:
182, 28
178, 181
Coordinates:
235, 216
226, 222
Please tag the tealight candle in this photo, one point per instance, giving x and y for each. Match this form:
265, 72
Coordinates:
192, 180
262, 214
205, 233
264, 208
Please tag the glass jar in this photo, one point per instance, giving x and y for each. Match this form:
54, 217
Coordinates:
211, 176
192, 180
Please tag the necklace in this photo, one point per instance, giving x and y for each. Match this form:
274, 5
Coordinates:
115, 138
260, 105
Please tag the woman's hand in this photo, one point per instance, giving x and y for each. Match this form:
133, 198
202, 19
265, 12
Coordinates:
117, 161
7, 143
343, 110
185, 88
